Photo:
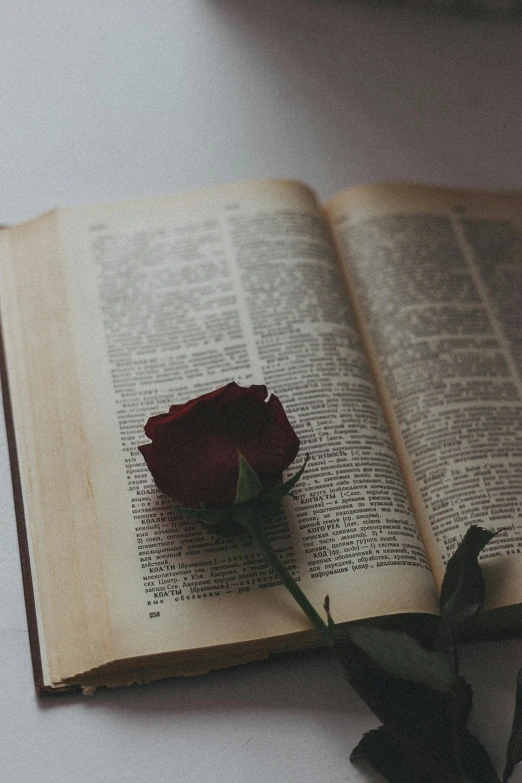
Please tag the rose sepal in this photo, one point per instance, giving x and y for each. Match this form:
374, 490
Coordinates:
249, 497
277, 493
248, 483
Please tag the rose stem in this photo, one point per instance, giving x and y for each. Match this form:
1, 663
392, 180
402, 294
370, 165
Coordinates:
254, 526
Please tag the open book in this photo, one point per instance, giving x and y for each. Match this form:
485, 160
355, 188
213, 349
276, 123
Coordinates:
389, 323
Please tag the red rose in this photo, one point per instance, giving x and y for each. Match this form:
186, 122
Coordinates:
194, 456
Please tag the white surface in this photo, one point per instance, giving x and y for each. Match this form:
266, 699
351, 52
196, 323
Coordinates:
117, 99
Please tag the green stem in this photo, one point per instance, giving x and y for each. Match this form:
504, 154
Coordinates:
250, 521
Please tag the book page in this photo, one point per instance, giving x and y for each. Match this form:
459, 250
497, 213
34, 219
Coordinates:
175, 297
113, 313
437, 275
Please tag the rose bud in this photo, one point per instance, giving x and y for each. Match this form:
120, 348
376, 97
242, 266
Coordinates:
195, 448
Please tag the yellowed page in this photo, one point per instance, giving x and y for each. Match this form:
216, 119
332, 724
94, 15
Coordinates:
437, 275
51, 446
169, 298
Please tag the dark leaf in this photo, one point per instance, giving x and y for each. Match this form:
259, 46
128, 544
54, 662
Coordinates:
248, 484
514, 749
426, 722
386, 754
476, 766
463, 588
400, 655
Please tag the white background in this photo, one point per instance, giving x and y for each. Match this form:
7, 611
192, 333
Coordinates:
118, 99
